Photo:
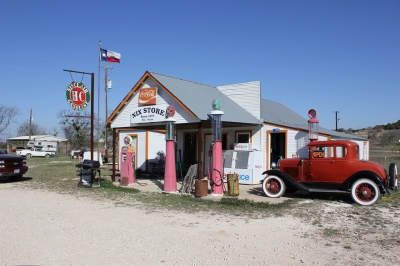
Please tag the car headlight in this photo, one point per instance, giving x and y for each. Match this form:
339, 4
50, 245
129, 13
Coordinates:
273, 165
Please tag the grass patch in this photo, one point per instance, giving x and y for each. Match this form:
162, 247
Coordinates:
59, 174
330, 232
108, 185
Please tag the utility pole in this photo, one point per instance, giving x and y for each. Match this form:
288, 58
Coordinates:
30, 125
336, 112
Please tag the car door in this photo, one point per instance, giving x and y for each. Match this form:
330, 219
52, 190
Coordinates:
323, 166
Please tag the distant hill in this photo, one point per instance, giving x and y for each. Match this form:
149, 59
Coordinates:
380, 137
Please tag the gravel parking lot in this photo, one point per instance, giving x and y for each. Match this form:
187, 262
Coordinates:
45, 228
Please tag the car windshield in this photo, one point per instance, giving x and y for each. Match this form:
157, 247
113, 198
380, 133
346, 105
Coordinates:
2, 151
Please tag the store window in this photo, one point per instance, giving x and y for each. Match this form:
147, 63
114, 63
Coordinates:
243, 137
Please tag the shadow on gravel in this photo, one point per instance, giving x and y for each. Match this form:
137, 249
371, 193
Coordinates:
337, 197
258, 191
340, 197
4, 180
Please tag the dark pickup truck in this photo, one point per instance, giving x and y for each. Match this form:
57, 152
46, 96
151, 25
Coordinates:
12, 166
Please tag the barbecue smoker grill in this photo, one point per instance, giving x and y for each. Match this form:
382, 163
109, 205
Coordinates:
87, 172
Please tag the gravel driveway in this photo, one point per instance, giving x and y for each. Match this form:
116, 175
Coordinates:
45, 228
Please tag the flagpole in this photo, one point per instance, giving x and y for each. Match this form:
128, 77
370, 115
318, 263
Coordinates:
98, 107
106, 105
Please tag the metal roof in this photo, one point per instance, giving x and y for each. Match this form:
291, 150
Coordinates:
39, 137
277, 113
198, 98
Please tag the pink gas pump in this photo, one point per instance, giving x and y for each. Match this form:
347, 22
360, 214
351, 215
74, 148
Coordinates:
170, 168
216, 182
127, 171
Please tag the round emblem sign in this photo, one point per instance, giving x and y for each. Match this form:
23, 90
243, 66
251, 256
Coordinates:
128, 140
170, 111
216, 104
312, 113
78, 96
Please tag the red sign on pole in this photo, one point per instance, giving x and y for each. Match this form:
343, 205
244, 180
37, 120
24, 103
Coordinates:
78, 96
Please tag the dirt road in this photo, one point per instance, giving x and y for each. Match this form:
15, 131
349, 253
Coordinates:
44, 228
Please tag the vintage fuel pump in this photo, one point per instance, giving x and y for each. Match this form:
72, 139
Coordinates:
128, 163
170, 167
216, 181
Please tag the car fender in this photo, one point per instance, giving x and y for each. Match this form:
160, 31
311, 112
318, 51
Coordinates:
367, 174
286, 178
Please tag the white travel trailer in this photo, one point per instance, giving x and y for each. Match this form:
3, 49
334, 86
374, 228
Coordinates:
43, 144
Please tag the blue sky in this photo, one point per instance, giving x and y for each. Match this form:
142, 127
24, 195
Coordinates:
330, 55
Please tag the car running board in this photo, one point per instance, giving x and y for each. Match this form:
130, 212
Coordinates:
327, 190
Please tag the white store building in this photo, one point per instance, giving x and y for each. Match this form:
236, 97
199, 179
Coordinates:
269, 129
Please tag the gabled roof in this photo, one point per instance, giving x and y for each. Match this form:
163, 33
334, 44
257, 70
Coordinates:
278, 114
196, 98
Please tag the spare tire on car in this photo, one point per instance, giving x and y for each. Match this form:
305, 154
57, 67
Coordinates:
393, 177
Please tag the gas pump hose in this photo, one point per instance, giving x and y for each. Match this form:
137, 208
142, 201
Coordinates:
221, 182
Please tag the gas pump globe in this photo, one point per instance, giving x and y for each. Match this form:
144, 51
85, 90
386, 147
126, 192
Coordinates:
170, 169
313, 127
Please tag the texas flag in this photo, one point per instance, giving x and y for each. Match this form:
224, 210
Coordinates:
109, 56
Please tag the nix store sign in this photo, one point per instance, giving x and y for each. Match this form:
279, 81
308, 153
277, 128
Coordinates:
146, 114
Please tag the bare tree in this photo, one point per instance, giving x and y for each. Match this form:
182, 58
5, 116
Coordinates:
7, 116
26, 129
76, 127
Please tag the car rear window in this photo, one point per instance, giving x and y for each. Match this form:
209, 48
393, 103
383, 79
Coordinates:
341, 151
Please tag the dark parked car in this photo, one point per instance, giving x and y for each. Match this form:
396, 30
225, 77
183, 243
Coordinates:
332, 166
12, 166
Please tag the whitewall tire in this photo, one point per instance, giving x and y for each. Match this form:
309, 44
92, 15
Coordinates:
365, 192
273, 186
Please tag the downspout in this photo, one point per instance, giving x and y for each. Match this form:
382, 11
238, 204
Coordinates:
113, 157
199, 148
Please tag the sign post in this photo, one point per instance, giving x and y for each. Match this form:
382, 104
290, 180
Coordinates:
81, 94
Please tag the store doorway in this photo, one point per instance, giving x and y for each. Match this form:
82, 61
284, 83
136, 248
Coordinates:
278, 146
190, 148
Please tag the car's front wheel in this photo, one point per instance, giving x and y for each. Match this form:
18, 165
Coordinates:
273, 186
365, 192
47, 155
28, 155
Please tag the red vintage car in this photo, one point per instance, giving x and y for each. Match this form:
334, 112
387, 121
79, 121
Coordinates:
332, 166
